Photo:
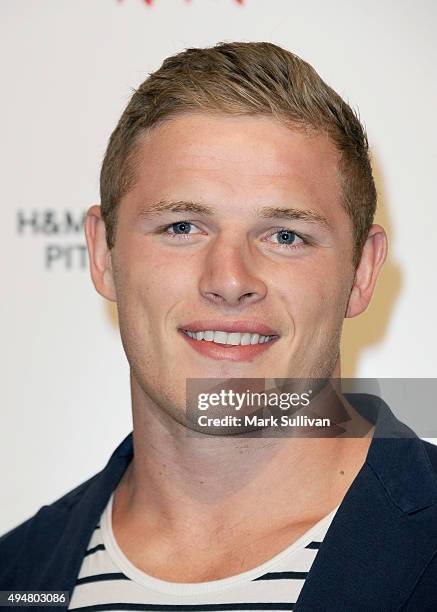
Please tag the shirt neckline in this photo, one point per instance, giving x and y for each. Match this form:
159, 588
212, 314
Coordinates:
195, 588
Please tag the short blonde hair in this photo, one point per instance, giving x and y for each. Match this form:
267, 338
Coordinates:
255, 78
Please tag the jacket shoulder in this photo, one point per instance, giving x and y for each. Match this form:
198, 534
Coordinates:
45, 522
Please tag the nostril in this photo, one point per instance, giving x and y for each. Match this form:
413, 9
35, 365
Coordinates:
246, 297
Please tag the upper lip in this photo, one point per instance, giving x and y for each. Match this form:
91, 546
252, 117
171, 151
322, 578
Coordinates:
246, 326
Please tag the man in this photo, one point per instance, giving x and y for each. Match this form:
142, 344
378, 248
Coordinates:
235, 234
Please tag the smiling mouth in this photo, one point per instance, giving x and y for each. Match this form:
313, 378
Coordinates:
229, 339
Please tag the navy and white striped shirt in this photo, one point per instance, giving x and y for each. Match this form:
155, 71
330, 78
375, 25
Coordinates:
109, 581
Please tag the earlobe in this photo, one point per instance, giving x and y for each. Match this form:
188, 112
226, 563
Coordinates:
99, 254
372, 258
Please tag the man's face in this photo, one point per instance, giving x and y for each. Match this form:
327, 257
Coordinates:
235, 224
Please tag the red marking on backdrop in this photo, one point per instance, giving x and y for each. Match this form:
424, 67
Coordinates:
150, 2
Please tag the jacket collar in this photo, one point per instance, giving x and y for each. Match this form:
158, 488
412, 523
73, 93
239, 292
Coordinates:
385, 530
397, 456
57, 539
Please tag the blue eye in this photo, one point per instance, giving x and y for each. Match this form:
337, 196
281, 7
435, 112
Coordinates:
286, 237
181, 227
180, 230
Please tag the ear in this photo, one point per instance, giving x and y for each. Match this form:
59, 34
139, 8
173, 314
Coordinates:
372, 258
99, 254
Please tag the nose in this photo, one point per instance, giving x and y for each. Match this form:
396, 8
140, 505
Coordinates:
229, 276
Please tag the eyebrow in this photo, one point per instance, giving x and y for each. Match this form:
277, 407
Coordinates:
265, 212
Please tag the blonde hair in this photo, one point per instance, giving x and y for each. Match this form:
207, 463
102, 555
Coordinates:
256, 78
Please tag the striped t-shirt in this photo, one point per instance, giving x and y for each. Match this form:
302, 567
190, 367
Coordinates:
109, 581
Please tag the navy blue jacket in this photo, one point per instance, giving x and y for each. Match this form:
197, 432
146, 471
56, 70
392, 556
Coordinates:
380, 552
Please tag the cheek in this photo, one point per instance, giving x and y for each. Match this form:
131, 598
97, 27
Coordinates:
314, 298
151, 285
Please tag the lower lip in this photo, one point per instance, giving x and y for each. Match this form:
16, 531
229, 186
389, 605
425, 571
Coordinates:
239, 352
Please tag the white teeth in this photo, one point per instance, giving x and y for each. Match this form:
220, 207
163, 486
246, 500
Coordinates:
220, 337
233, 338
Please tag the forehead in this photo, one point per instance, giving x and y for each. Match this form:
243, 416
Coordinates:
238, 158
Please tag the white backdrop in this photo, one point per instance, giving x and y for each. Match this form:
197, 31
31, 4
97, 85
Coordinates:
67, 70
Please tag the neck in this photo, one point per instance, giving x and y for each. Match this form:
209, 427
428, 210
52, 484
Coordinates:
211, 482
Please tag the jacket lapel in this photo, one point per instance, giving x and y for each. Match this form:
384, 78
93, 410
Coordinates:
385, 531
56, 542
